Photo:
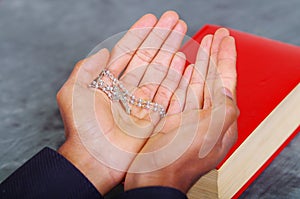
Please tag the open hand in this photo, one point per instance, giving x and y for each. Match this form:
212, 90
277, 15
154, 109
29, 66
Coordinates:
200, 126
102, 140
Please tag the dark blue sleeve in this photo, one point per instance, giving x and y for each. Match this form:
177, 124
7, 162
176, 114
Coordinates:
153, 192
50, 175
47, 175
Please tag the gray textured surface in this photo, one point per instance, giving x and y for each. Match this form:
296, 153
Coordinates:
40, 40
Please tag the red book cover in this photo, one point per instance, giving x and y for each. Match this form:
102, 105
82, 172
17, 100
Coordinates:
267, 71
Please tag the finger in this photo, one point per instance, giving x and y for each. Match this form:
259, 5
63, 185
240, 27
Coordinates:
212, 70
159, 66
225, 143
225, 111
229, 138
226, 71
171, 81
227, 64
177, 102
123, 51
149, 48
89, 68
223, 115
196, 88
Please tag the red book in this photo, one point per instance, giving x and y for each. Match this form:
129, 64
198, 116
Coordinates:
269, 101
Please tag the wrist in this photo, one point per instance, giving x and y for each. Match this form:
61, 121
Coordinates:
102, 177
138, 180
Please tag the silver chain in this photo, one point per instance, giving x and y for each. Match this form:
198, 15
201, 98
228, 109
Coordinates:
116, 91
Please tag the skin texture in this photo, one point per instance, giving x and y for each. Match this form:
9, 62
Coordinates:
107, 150
88, 114
209, 97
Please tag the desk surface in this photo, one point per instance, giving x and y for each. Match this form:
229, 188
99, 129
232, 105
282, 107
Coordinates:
40, 41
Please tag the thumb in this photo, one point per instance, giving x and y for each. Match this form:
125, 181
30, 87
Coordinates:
229, 138
223, 114
227, 64
89, 68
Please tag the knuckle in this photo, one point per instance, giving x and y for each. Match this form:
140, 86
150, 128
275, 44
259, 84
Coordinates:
175, 106
164, 93
159, 66
129, 77
173, 100
59, 96
145, 55
159, 34
169, 47
158, 63
123, 49
79, 63
198, 78
171, 82
147, 90
231, 110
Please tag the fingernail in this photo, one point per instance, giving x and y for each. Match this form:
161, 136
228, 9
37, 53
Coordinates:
228, 93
